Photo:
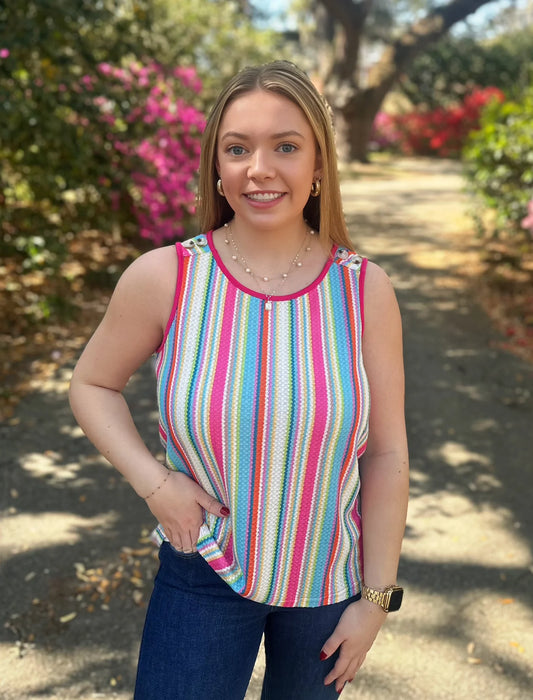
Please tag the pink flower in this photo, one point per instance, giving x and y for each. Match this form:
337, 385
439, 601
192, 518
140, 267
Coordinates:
188, 77
164, 141
105, 68
527, 222
4, 53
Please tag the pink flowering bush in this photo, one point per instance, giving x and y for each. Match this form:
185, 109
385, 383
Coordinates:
115, 149
155, 145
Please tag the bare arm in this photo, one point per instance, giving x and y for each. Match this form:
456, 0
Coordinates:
131, 330
385, 464
129, 333
384, 475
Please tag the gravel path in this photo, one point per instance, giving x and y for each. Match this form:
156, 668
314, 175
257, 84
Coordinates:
76, 564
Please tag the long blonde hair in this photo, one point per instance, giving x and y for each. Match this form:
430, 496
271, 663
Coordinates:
323, 213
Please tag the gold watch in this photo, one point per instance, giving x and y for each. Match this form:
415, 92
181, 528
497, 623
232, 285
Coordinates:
389, 599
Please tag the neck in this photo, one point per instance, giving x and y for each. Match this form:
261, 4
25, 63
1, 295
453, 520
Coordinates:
269, 243
274, 257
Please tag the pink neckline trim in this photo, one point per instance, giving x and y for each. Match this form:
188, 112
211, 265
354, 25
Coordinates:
259, 295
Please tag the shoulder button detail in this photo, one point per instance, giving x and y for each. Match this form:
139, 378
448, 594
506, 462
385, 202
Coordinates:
198, 242
349, 259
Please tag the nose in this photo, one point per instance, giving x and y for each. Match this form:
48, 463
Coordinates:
260, 166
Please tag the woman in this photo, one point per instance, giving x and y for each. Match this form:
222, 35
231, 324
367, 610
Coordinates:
273, 339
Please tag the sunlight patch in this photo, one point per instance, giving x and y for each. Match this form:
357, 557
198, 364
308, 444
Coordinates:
456, 455
24, 532
48, 465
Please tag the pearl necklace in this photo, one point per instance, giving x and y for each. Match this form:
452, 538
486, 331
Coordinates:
239, 258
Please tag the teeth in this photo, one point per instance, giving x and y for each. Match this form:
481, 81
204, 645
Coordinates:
264, 197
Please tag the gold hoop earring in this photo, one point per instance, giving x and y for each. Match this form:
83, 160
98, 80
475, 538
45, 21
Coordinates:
220, 189
315, 188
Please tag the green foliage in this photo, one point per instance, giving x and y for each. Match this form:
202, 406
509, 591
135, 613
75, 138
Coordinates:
499, 162
219, 40
54, 148
456, 64
52, 163
56, 152
445, 73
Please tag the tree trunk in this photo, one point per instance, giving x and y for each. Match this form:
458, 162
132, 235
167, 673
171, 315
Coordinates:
355, 108
354, 122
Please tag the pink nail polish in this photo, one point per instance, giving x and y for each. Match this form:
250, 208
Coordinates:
323, 655
224, 511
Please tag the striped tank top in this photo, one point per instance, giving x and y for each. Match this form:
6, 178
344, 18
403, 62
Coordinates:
268, 411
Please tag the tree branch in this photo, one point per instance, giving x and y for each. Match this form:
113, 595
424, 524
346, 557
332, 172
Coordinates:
431, 28
350, 18
351, 15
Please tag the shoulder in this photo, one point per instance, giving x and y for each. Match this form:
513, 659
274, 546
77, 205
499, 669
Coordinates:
147, 286
377, 280
155, 260
150, 270
380, 304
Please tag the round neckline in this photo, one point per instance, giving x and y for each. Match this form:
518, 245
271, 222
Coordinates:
260, 295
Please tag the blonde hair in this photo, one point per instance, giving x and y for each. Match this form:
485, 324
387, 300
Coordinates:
323, 213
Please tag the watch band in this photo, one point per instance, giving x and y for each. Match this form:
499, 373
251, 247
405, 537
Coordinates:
374, 596
389, 599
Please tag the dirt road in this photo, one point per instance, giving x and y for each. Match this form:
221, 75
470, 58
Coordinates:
76, 564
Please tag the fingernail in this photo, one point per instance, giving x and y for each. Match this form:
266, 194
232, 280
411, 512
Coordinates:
224, 511
323, 655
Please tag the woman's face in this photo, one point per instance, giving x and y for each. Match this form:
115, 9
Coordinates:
267, 159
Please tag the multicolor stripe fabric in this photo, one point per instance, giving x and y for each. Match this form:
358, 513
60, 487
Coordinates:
268, 411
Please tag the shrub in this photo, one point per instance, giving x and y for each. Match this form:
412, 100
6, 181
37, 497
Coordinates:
499, 162
442, 131
116, 149
453, 66
157, 156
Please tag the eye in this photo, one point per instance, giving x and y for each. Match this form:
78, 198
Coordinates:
236, 150
287, 148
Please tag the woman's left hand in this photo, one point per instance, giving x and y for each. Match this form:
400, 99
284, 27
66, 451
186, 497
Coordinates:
354, 634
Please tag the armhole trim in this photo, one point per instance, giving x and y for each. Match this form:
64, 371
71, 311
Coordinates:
362, 276
179, 276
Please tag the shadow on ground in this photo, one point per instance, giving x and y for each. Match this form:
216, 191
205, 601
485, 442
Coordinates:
74, 599
76, 563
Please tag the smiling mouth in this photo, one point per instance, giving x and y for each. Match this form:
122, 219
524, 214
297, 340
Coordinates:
264, 196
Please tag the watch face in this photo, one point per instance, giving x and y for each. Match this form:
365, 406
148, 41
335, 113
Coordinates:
395, 599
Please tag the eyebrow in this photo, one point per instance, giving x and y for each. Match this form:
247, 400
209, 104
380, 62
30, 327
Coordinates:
274, 137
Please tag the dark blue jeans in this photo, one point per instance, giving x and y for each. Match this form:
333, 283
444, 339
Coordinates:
201, 639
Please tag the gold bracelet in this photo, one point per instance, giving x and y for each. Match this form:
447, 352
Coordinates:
158, 487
